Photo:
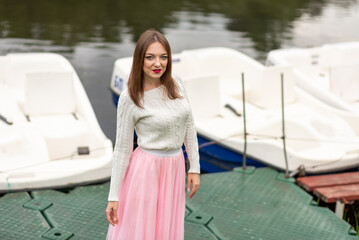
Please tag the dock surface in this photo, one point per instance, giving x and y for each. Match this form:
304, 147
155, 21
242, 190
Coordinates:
253, 204
330, 188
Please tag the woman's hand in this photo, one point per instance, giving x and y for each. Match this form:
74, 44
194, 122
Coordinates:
194, 179
111, 212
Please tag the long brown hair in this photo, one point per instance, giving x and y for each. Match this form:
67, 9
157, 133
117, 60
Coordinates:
135, 81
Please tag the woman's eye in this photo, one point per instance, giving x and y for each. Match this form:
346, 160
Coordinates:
164, 57
149, 57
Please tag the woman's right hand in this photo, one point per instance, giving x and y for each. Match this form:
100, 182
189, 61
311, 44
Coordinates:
111, 212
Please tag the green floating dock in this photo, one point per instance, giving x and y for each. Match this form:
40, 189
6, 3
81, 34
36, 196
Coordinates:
253, 204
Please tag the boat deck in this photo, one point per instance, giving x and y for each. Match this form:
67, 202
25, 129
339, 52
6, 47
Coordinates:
252, 204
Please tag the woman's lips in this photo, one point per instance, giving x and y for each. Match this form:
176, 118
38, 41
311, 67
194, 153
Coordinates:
156, 70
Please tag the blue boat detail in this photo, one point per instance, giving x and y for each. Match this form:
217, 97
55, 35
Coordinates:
115, 98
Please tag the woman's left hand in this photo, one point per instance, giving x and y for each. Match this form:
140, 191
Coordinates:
194, 179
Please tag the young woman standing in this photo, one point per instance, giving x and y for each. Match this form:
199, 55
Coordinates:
147, 191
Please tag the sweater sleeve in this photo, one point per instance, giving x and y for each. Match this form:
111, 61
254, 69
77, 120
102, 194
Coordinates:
124, 144
191, 144
190, 141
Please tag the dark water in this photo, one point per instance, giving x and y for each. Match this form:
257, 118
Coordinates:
92, 34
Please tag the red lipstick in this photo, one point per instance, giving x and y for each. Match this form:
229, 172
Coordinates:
156, 70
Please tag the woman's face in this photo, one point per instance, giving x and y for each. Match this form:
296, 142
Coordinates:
155, 62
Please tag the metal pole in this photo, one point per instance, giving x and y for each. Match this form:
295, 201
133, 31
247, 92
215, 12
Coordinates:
244, 124
283, 129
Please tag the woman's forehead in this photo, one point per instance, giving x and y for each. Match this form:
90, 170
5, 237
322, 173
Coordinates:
156, 48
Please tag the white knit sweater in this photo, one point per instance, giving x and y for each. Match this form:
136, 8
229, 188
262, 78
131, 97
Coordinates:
163, 124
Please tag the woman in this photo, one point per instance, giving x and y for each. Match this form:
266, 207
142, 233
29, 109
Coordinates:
147, 191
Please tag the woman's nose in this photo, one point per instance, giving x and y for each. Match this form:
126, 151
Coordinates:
157, 62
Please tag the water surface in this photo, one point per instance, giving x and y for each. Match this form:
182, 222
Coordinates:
92, 34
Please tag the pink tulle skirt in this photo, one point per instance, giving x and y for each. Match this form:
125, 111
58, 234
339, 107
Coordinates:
151, 199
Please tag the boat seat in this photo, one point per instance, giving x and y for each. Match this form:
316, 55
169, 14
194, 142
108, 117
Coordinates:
63, 134
187, 65
266, 89
203, 93
225, 63
344, 81
50, 107
49, 93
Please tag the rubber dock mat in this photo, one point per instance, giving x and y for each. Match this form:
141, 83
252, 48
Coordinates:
252, 204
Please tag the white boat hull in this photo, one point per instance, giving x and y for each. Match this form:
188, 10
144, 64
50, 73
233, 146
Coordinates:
49, 134
319, 138
329, 73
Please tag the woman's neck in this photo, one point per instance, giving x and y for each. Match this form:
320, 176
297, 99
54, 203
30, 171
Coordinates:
149, 84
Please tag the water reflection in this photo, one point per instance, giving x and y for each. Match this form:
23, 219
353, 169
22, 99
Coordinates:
93, 33
70, 22
266, 23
